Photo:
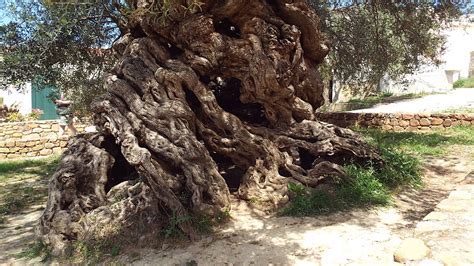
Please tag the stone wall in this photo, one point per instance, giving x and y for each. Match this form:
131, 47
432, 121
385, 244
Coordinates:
397, 122
32, 138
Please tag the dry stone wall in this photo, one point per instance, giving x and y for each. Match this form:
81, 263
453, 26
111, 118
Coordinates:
32, 138
41, 138
397, 122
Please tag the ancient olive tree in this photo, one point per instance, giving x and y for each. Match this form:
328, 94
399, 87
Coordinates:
206, 98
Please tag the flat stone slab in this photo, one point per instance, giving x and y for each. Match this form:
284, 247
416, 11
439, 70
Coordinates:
449, 230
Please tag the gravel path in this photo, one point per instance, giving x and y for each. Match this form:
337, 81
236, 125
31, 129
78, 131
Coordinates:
458, 98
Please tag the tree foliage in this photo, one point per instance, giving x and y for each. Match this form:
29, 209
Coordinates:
66, 43
373, 38
60, 44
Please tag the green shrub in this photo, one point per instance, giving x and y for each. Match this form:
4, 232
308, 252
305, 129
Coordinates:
464, 83
365, 185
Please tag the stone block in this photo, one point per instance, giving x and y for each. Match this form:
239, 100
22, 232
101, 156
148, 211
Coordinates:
2, 143
412, 129
398, 128
32, 126
394, 122
37, 147
425, 128
32, 154
62, 144
3, 156
45, 126
46, 152
10, 143
465, 123
387, 127
414, 123
37, 130
20, 143
447, 123
53, 138
31, 143
17, 135
456, 123
12, 156
4, 150
57, 150
411, 249
49, 145
425, 122
437, 127
55, 127
408, 116
404, 123
436, 121
34, 136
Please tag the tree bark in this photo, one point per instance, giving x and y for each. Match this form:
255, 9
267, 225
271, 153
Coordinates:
217, 100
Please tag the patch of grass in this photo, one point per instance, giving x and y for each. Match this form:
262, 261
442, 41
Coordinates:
365, 186
461, 110
464, 83
374, 184
370, 100
28, 167
172, 228
93, 251
23, 183
34, 250
433, 143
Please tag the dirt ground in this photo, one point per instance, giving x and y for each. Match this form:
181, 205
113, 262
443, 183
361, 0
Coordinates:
358, 237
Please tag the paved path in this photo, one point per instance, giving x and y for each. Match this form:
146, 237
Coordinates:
458, 98
449, 230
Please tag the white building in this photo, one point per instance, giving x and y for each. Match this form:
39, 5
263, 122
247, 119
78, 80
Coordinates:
21, 97
458, 60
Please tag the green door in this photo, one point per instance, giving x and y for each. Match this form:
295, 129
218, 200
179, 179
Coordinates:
40, 100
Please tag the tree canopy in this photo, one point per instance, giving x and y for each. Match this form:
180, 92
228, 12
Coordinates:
67, 43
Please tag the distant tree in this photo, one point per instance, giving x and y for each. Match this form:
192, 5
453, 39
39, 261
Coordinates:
373, 38
63, 44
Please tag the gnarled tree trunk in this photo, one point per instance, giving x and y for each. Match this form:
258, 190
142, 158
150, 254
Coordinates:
205, 103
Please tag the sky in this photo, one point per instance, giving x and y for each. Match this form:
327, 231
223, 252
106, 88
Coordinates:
4, 13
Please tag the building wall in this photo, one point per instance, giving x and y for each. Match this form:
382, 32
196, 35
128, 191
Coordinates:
22, 96
456, 58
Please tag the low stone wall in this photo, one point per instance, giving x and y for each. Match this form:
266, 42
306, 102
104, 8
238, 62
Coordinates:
397, 122
32, 138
